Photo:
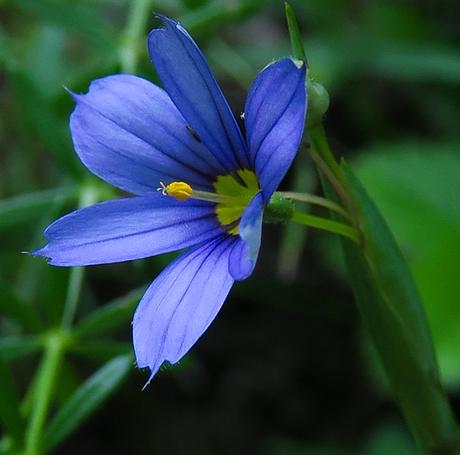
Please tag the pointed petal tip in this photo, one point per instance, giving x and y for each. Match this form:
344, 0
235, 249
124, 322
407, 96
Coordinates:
38, 252
76, 97
149, 380
298, 63
167, 21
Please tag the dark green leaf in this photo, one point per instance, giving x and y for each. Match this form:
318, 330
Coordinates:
27, 207
100, 349
86, 400
390, 305
43, 121
11, 306
14, 347
9, 405
74, 17
424, 62
110, 316
212, 14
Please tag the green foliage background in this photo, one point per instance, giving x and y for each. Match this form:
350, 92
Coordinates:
286, 368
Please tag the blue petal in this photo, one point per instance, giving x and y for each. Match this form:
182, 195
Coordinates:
244, 254
125, 229
275, 117
128, 132
190, 83
181, 303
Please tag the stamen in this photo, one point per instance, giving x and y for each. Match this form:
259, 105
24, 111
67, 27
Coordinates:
183, 191
163, 189
178, 190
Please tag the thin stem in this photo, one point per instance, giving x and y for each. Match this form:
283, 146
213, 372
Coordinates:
337, 185
326, 225
321, 145
55, 348
45, 384
332, 179
316, 200
88, 196
135, 27
73, 296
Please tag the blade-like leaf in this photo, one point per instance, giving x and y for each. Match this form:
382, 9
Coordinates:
391, 308
14, 347
86, 399
102, 350
294, 33
9, 405
110, 316
11, 306
26, 207
73, 17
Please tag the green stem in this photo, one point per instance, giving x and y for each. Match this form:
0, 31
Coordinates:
45, 384
321, 145
316, 200
54, 349
135, 28
88, 196
325, 224
325, 160
294, 34
73, 296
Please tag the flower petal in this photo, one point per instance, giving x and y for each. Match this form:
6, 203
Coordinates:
275, 117
244, 254
191, 85
128, 132
181, 303
125, 229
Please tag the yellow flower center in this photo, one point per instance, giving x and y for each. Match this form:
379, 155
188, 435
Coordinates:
237, 195
233, 194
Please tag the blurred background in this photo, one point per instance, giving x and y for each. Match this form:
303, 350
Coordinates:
287, 367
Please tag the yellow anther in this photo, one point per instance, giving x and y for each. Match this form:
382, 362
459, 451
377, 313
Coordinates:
179, 190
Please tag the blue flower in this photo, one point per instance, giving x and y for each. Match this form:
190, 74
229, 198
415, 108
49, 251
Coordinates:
214, 184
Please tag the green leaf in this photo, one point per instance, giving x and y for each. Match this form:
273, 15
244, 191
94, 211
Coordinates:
9, 405
404, 181
393, 313
110, 316
419, 62
43, 122
86, 399
27, 207
12, 348
212, 14
100, 349
74, 17
294, 33
11, 306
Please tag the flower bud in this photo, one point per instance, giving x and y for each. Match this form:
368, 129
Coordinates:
279, 209
318, 102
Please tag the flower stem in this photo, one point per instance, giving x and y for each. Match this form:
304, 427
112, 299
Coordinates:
321, 145
55, 345
316, 200
326, 225
46, 380
135, 27
88, 196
